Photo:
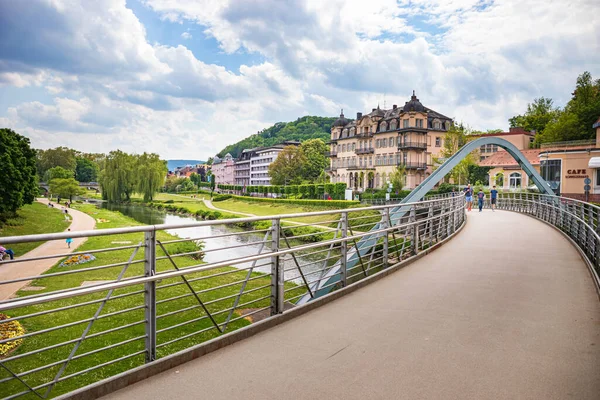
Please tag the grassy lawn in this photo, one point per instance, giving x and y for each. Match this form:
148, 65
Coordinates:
33, 219
126, 308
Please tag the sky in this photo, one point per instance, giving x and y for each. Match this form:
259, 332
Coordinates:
185, 78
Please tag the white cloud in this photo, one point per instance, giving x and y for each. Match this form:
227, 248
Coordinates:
477, 61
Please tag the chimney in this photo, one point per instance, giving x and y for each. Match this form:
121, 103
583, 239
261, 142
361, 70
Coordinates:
394, 106
358, 116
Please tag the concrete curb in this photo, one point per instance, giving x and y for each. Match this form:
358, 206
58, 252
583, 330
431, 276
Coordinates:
120, 381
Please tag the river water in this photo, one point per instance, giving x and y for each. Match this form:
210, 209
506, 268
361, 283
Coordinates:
237, 246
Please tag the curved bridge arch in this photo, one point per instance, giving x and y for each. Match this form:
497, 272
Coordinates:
420, 191
365, 244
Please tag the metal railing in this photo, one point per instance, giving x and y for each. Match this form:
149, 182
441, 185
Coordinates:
577, 219
411, 145
148, 293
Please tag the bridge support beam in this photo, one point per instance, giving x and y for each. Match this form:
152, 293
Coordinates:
277, 278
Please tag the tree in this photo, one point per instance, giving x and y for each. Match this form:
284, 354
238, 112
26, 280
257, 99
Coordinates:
118, 179
18, 180
57, 173
65, 187
398, 178
287, 167
186, 186
58, 157
538, 115
195, 178
316, 162
210, 161
454, 139
86, 170
151, 172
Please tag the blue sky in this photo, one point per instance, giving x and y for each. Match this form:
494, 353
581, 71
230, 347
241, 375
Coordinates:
186, 78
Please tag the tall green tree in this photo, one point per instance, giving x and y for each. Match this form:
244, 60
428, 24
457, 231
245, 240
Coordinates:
18, 180
316, 162
65, 187
539, 113
398, 178
58, 157
57, 173
455, 138
288, 166
118, 179
151, 172
86, 170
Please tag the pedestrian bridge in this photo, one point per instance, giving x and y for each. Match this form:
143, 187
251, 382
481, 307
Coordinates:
442, 304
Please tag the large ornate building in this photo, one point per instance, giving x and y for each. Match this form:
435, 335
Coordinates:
366, 151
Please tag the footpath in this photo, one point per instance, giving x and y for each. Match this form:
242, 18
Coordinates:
9, 271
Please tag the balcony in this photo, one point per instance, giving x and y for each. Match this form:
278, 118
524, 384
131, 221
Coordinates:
364, 135
412, 145
331, 154
368, 150
331, 169
412, 129
414, 165
360, 167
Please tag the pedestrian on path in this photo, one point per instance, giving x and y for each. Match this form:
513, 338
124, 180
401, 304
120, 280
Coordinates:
494, 197
469, 197
69, 240
4, 252
480, 198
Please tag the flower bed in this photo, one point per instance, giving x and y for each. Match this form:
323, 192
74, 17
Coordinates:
9, 330
78, 259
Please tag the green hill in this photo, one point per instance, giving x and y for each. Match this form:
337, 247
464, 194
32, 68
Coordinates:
302, 129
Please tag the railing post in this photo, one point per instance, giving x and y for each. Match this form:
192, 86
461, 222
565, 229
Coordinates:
415, 230
344, 250
277, 280
150, 294
386, 242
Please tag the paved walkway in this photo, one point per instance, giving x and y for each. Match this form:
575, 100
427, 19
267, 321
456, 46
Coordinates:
506, 310
8, 271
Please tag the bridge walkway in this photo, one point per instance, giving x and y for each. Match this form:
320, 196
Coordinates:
505, 310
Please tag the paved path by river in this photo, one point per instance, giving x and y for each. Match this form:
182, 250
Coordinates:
506, 310
9, 271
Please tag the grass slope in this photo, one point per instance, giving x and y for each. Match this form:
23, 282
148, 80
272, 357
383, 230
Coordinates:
33, 219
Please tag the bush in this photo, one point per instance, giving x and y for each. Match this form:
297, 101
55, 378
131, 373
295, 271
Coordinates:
221, 197
301, 202
169, 202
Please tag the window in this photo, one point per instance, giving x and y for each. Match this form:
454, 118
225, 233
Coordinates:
393, 125
398, 158
384, 143
360, 161
370, 161
405, 123
437, 142
352, 130
550, 171
514, 180
383, 127
377, 142
377, 160
353, 146
391, 142
419, 123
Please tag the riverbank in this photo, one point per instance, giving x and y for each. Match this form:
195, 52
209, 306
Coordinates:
178, 308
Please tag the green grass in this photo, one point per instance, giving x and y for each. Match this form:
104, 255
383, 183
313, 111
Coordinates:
33, 219
124, 303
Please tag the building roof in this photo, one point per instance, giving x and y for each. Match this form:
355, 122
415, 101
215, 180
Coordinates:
596, 124
412, 105
504, 159
511, 131
341, 121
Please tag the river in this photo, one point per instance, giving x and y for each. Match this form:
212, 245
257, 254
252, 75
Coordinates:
237, 246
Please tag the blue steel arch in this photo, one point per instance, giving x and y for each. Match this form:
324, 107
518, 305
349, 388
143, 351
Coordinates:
367, 242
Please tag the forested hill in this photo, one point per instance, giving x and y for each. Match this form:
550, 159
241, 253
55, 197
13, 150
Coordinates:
302, 129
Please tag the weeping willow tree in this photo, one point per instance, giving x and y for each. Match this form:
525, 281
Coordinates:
151, 173
125, 174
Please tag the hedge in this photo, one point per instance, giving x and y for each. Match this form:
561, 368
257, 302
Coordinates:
315, 191
301, 202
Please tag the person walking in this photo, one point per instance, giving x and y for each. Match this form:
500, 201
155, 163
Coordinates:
494, 197
69, 240
469, 197
480, 198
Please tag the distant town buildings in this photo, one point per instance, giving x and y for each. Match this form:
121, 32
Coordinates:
223, 170
366, 151
252, 167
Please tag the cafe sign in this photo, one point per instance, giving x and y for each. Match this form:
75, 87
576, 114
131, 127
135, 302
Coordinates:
577, 173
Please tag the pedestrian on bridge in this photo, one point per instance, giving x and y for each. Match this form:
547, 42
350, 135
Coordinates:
494, 197
469, 197
480, 198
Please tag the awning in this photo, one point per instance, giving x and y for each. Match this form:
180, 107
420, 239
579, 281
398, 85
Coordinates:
594, 162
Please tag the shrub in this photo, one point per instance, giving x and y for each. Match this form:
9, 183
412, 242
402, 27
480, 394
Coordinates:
221, 197
169, 202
